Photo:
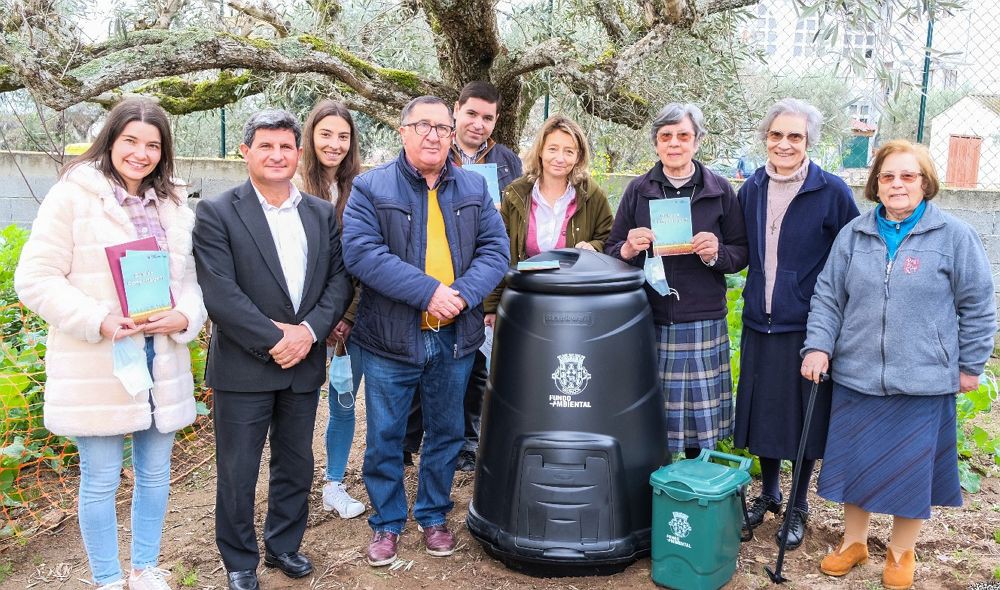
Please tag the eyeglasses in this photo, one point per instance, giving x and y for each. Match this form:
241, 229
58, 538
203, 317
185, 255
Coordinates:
906, 176
424, 128
793, 137
682, 136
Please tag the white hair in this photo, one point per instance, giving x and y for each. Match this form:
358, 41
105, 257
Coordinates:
793, 106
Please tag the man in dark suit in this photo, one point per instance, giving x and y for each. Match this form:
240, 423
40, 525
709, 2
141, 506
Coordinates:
269, 263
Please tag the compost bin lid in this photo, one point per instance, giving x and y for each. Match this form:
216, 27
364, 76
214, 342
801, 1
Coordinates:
579, 272
695, 479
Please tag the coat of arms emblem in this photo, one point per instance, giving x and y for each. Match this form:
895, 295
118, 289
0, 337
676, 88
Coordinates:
571, 376
679, 525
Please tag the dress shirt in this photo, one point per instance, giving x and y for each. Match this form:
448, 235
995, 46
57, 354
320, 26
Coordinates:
290, 241
473, 158
549, 218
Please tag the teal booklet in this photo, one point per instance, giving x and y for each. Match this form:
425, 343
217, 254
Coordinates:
671, 224
533, 265
489, 172
146, 278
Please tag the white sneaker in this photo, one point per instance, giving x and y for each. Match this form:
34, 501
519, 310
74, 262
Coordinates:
151, 578
336, 498
116, 585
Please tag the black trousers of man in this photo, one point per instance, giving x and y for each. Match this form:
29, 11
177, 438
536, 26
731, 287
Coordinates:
242, 421
474, 392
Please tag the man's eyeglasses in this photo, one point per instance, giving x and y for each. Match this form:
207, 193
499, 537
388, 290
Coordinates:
424, 128
906, 176
793, 137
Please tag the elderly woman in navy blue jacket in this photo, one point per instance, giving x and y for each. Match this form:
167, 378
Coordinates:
691, 331
905, 311
793, 211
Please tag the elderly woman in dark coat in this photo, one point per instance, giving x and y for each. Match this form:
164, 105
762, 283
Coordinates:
793, 211
691, 332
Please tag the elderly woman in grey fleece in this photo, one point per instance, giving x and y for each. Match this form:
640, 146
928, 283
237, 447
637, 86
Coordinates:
904, 307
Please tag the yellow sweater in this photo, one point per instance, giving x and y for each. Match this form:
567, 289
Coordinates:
437, 258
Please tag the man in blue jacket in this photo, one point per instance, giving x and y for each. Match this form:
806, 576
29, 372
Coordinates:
476, 113
424, 238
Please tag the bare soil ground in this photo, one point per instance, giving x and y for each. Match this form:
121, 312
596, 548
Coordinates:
958, 548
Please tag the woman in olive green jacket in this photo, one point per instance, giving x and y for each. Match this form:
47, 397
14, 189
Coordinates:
555, 204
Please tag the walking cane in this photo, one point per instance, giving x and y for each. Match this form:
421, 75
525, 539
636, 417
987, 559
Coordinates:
775, 575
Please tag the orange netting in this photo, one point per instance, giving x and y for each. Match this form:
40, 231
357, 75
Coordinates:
39, 472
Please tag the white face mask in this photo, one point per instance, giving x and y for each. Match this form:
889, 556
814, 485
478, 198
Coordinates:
487, 347
656, 276
130, 366
342, 380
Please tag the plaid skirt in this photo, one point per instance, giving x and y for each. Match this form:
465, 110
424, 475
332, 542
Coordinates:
693, 363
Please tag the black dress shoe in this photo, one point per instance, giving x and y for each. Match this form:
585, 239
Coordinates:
760, 506
466, 461
292, 564
243, 580
796, 529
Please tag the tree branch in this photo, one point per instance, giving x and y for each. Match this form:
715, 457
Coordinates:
714, 6
606, 12
265, 15
168, 11
193, 50
545, 54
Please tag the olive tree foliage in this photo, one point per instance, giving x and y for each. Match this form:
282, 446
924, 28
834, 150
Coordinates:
611, 62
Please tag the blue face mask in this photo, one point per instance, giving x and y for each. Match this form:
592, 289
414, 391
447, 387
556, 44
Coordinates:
130, 366
487, 348
656, 276
342, 380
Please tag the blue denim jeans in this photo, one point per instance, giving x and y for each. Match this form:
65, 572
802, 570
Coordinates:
100, 474
389, 390
340, 427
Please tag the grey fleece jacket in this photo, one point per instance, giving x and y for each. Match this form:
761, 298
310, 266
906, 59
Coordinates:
909, 326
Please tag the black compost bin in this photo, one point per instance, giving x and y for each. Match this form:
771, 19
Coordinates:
573, 420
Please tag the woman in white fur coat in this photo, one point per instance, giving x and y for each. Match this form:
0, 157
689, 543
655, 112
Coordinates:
120, 190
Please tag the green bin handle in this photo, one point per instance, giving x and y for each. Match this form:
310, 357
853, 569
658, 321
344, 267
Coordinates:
708, 454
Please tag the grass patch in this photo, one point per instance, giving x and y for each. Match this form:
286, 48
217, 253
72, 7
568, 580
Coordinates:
6, 569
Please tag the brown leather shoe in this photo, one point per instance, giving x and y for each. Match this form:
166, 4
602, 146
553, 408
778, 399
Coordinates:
842, 561
898, 573
382, 549
439, 540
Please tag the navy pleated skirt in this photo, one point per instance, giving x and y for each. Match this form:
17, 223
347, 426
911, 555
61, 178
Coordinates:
891, 454
772, 397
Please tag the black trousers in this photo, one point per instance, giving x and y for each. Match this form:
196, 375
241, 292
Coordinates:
473, 403
242, 421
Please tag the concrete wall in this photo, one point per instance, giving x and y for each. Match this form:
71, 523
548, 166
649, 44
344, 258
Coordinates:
207, 177
27, 176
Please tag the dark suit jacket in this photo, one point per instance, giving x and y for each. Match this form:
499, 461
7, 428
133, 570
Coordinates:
244, 289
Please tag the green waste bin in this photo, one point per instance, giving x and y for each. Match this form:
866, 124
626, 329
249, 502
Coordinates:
697, 521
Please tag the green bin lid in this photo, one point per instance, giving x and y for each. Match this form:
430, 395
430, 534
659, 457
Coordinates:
698, 479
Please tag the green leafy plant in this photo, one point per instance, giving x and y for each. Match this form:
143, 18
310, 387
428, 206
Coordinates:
734, 323
187, 577
23, 436
974, 440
